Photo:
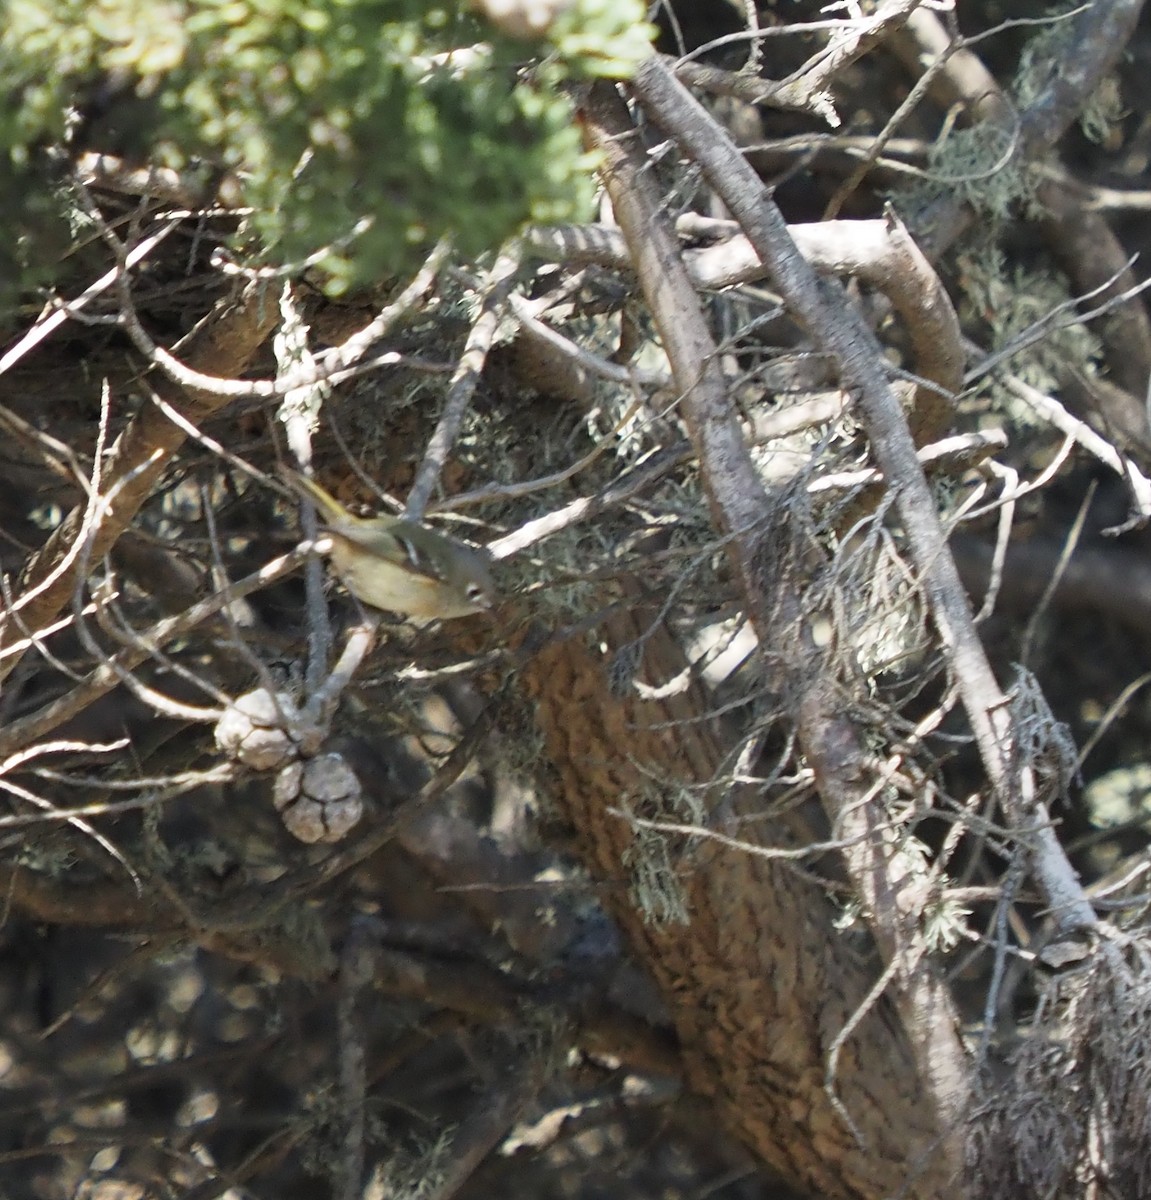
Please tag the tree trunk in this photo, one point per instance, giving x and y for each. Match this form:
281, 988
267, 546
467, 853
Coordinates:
759, 982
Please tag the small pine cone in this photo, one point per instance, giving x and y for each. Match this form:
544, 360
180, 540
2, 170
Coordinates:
256, 730
320, 800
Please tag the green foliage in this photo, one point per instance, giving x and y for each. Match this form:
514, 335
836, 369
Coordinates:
979, 165
655, 858
1039, 64
655, 888
1015, 302
1045, 51
416, 115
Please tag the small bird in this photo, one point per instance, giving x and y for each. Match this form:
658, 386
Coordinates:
398, 565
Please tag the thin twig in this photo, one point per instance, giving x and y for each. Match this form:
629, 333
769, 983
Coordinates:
464, 381
839, 329
107, 675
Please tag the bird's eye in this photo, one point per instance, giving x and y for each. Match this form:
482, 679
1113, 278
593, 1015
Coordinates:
475, 593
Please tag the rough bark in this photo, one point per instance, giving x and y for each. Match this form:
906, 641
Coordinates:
759, 982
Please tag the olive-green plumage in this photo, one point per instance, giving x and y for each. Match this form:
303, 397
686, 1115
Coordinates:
398, 565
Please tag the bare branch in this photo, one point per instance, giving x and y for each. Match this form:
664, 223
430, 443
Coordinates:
497, 288
839, 329
741, 506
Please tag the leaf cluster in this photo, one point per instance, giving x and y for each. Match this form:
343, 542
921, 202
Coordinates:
396, 121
